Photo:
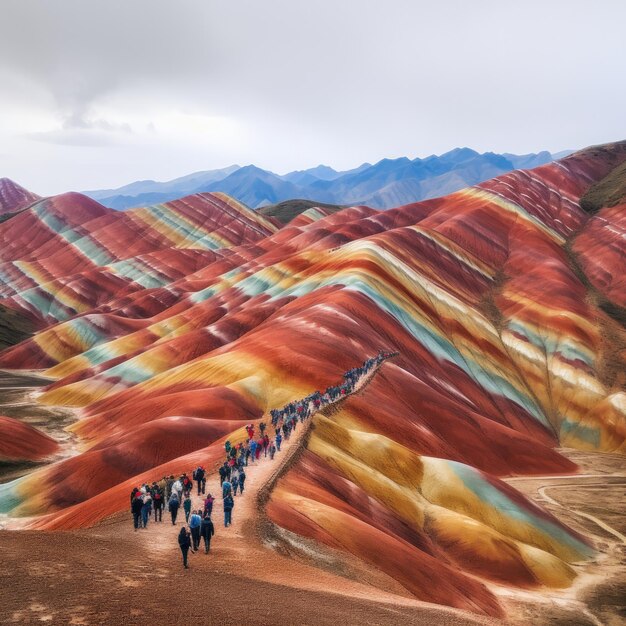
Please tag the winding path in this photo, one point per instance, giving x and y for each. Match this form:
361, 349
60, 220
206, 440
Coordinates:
579, 481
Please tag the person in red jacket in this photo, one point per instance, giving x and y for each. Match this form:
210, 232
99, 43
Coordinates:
250, 431
208, 505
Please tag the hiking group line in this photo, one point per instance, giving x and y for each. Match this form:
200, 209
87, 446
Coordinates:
149, 501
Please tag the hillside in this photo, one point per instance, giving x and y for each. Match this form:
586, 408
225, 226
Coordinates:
286, 211
172, 327
14, 197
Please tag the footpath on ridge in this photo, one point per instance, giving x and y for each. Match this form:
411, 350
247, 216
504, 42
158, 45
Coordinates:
240, 546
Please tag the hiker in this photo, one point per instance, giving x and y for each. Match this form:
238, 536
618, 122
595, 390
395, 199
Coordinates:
226, 489
184, 541
250, 431
222, 472
272, 451
266, 445
229, 504
247, 455
262, 427
259, 448
242, 480
146, 509
187, 484
195, 522
234, 481
279, 440
177, 488
253, 445
200, 478
207, 530
187, 507
208, 505
173, 505
136, 506
133, 493
169, 487
227, 447
157, 498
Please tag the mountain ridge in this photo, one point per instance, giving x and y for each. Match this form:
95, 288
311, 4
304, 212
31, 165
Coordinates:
382, 185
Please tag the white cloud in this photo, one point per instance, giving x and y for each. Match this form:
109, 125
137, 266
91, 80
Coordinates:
99, 94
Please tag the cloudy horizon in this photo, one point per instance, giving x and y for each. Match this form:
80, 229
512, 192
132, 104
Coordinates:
99, 95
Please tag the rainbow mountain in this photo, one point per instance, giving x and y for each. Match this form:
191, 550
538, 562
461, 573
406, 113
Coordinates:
170, 327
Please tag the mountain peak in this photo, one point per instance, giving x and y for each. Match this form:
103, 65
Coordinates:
14, 197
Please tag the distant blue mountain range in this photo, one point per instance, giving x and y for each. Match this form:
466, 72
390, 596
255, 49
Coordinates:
388, 183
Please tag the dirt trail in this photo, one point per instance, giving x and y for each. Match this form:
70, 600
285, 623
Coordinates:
242, 544
594, 503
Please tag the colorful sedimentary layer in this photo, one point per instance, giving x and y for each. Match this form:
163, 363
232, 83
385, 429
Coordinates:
68, 254
172, 327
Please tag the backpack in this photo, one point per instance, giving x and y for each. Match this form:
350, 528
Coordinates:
157, 496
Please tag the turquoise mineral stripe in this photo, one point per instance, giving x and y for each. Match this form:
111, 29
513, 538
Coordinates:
9, 498
587, 434
85, 244
6, 282
180, 225
139, 273
86, 332
35, 298
232, 274
207, 242
56, 225
268, 280
204, 294
492, 496
256, 284
99, 353
551, 343
60, 311
573, 353
93, 251
130, 372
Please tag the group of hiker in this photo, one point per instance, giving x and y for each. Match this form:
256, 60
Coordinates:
176, 492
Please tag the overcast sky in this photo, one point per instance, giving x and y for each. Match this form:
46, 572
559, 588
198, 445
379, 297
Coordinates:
98, 93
